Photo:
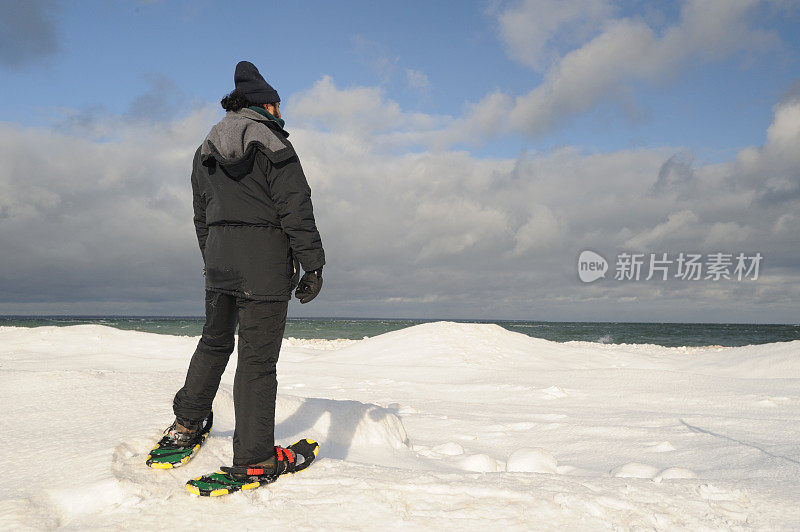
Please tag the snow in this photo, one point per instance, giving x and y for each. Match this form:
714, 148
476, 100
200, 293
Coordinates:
482, 463
442, 424
532, 461
635, 470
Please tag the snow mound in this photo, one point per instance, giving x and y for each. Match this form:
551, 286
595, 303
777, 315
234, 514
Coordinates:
675, 473
776, 360
428, 345
532, 461
82, 347
467, 345
450, 345
635, 470
779, 360
479, 463
339, 426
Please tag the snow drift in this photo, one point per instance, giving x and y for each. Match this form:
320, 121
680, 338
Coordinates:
442, 424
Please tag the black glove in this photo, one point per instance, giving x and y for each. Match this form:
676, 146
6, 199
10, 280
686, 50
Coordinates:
309, 286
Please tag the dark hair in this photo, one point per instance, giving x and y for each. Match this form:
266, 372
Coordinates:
235, 100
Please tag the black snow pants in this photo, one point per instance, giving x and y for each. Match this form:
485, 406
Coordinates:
261, 326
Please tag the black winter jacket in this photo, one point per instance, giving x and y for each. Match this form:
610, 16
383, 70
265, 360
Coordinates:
252, 209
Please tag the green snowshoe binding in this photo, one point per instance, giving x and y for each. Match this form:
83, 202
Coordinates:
179, 444
292, 459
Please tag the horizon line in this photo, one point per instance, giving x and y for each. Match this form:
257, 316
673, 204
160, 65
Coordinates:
485, 320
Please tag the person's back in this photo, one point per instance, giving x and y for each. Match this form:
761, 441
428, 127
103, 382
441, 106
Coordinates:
252, 196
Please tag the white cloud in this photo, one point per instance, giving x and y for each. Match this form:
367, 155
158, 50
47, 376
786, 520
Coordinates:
86, 220
462, 225
630, 51
620, 52
612, 56
436, 233
680, 226
541, 230
534, 30
356, 110
360, 107
784, 132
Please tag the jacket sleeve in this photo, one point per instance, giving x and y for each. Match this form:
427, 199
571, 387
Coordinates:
199, 205
292, 198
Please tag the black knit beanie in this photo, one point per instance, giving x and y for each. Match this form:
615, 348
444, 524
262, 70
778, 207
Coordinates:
251, 83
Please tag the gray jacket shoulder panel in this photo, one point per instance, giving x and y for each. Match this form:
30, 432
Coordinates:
233, 135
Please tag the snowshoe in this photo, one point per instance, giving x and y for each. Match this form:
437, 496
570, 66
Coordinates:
178, 446
292, 459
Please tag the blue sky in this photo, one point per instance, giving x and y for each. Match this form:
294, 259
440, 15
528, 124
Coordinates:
486, 143
108, 53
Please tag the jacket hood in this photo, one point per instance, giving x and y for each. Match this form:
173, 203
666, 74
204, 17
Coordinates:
232, 142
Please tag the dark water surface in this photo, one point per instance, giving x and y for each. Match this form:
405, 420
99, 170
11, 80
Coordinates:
667, 334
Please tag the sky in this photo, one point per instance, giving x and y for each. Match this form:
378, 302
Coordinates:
462, 155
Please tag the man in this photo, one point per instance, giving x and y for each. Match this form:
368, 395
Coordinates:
255, 223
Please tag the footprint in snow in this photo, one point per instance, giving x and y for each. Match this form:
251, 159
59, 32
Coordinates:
727, 503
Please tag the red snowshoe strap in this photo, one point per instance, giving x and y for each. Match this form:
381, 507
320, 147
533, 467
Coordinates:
285, 462
281, 452
244, 473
